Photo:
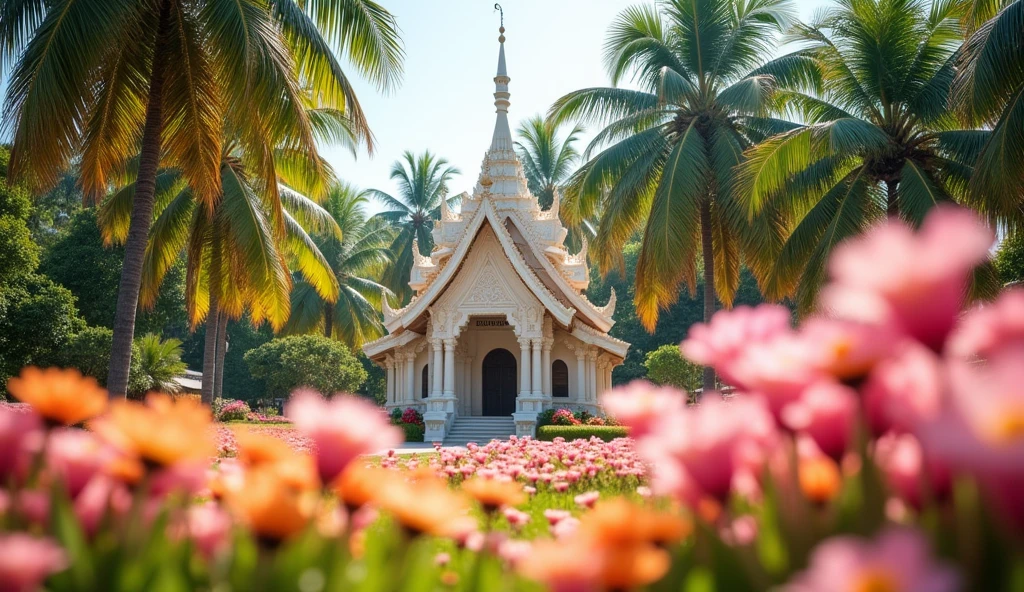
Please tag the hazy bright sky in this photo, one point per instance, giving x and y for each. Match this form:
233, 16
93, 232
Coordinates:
445, 102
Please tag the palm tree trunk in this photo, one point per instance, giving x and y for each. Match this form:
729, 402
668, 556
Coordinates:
709, 282
212, 327
328, 320
892, 203
142, 217
222, 351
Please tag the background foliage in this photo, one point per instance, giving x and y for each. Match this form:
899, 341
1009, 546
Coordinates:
312, 361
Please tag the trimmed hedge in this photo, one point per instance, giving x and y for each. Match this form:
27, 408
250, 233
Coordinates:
575, 432
413, 432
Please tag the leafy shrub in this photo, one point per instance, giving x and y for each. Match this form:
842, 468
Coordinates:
413, 432
667, 366
564, 417
234, 411
89, 352
312, 361
268, 411
396, 415
160, 363
575, 432
545, 417
595, 421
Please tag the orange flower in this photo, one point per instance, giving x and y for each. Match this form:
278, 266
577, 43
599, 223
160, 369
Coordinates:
261, 451
629, 566
819, 479
562, 565
359, 484
161, 432
618, 522
271, 508
427, 506
59, 396
493, 493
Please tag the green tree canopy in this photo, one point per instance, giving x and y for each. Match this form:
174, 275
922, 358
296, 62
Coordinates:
1009, 260
312, 361
667, 366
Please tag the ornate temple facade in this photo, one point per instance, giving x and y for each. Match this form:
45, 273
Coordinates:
499, 324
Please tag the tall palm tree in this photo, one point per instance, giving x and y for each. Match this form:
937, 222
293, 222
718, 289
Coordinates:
670, 146
989, 89
547, 159
872, 84
357, 259
238, 257
548, 162
422, 184
118, 78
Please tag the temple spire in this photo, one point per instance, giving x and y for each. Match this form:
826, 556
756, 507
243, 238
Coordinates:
502, 138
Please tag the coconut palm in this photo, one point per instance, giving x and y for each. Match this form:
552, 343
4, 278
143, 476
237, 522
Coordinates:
238, 257
548, 161
871, 82
112, 79
422, 184
670, 146
989, 89
357, 259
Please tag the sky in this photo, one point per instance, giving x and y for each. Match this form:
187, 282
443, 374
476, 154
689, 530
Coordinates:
445, 102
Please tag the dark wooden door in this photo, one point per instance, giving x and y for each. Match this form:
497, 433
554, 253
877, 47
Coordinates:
499, 383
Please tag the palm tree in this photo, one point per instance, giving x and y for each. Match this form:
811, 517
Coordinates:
548, 161
422, 184
118, 78
672, 145
160, 361
360, 256
238, 256
989, 89
871, 83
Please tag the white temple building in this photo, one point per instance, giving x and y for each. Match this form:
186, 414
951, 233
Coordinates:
499, 325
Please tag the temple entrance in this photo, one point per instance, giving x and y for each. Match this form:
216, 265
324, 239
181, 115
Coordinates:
499, 383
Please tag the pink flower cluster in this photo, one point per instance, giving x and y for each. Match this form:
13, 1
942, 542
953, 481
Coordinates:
942, 391
580, 464
564, 417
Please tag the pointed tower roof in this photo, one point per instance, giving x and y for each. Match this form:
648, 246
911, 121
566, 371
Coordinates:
502, 137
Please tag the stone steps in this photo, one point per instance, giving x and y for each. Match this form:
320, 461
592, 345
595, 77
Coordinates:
479, 429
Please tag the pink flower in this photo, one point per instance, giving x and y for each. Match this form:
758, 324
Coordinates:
640, 405
779, 369
826, 412
341, 429
703, 449
101, 496
588, 499
565, 528
718, 342
897, 560
982, 431
903, 390
989, 328
17, 429
908, 473
442, 559
560, 486
847, 350
209, 527
25, 561
556, 516
75, 456
914, 281
516, 518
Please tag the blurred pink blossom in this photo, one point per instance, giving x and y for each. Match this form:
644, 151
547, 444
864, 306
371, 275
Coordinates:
914, 282
717, 343
75, 456
209, 527
588, 499
101, 496
641, 405
897, 559
341, 429
903, 390
779, 369
991, 327
17, 429
848, 350
516, 518
906, 470
827, 412
25, 561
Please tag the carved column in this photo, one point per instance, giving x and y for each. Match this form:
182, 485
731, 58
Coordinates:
389, 364
546, 365
435, 387
449, 367
592, 374
410, 377
524, 366
537, 380
467, 385
581, 374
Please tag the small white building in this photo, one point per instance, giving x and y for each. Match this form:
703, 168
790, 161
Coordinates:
499, 325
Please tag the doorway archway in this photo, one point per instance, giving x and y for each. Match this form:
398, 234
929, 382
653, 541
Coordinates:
499, 383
